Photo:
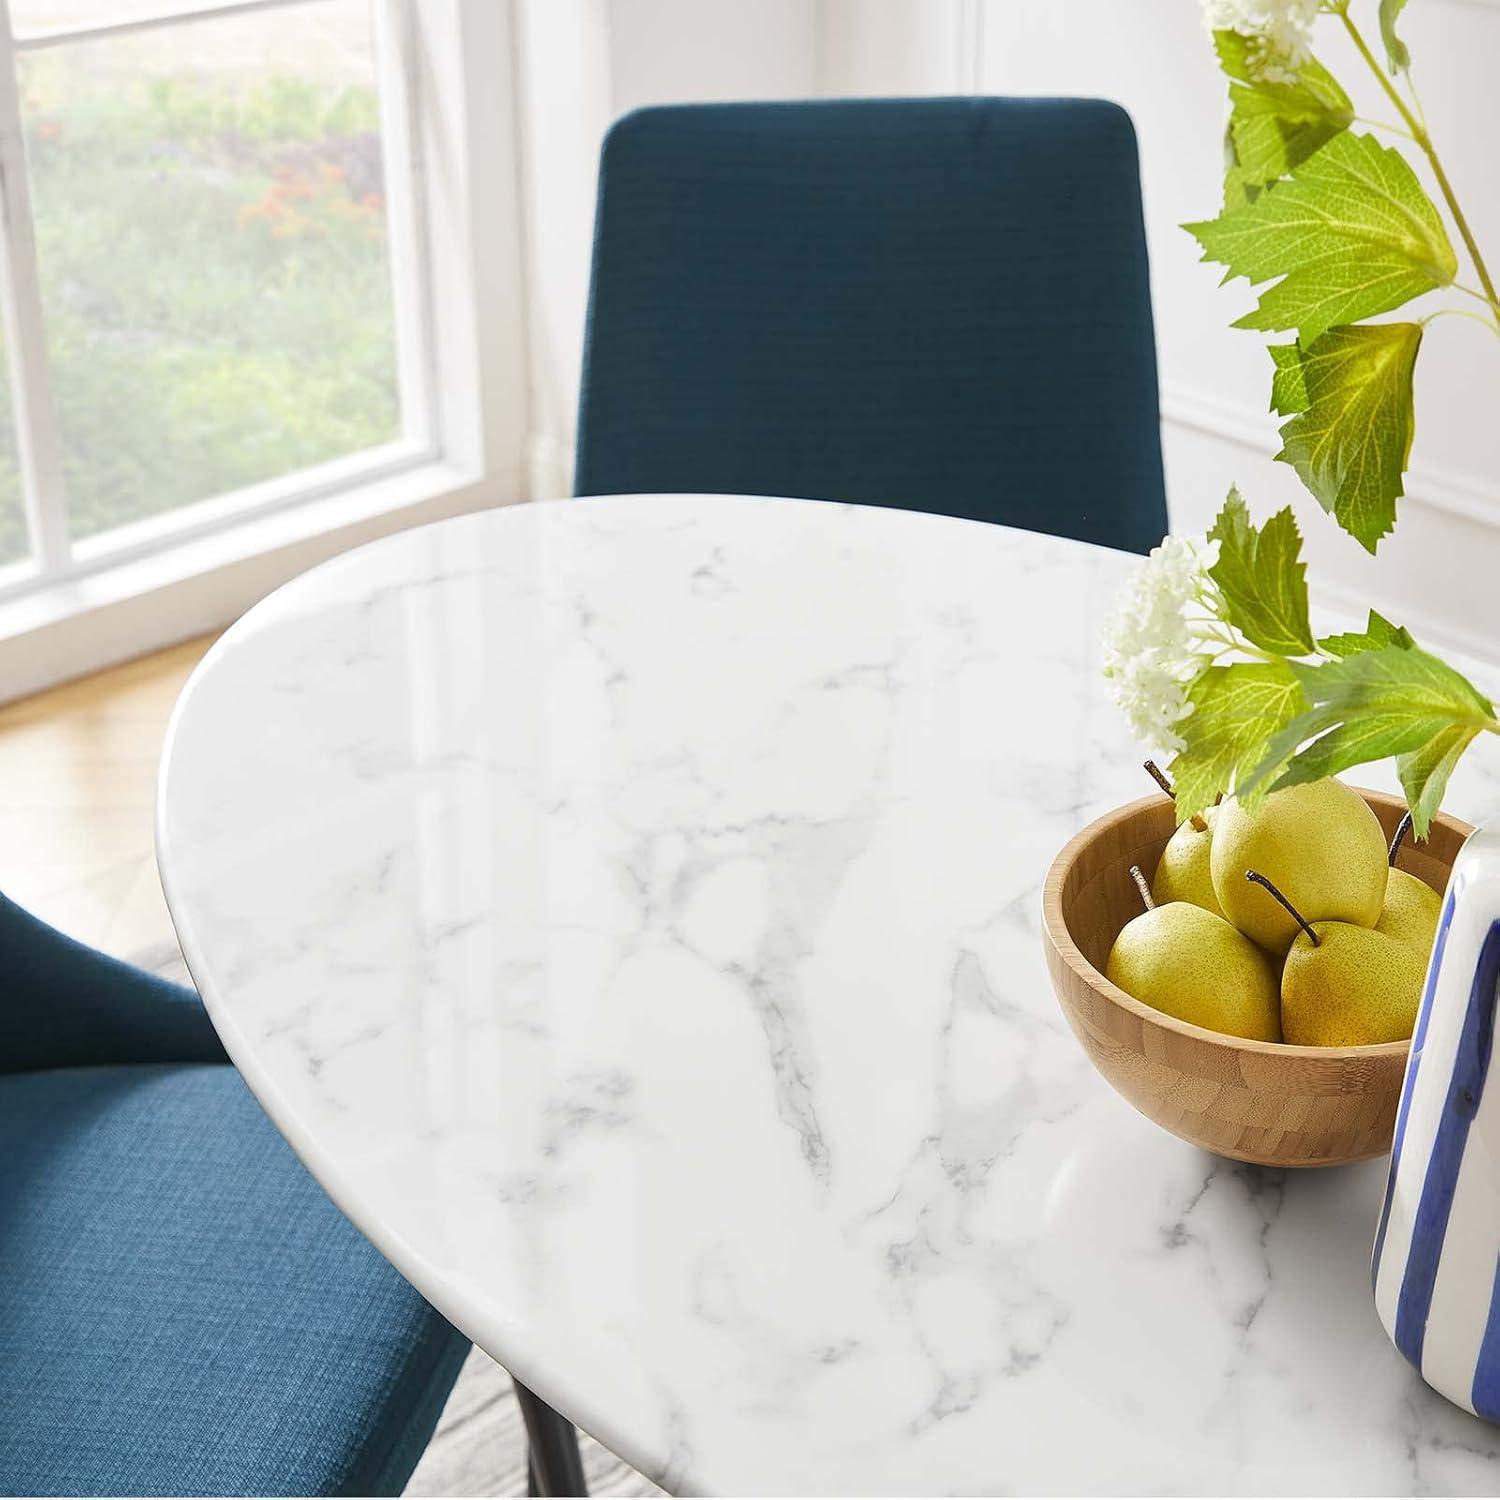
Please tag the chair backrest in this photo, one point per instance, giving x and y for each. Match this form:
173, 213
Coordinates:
939, 304
65, 1005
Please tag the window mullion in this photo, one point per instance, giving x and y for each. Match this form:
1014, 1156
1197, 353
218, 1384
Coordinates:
38, 443
395, 59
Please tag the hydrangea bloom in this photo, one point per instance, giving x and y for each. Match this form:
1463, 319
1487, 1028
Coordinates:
1154, 646
1280, 29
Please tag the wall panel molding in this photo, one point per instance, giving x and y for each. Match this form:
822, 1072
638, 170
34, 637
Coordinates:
1466, 496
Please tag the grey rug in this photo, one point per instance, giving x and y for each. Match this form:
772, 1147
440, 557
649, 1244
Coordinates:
479, 1447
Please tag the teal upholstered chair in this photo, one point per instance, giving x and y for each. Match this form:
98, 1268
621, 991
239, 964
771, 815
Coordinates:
182, 1309
939, 304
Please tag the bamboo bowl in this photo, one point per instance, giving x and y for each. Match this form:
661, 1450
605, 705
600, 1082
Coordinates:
1262, 1102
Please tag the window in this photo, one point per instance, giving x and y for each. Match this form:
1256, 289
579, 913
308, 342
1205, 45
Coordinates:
214, 288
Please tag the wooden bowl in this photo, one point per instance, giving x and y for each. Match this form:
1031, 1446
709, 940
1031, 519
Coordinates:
1262, 1102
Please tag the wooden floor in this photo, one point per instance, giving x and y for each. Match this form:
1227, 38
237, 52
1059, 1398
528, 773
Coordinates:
77, 793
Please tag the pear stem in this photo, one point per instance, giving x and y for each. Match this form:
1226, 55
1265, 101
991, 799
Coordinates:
1296, 915
1142, 887
1402, 829
1154, 771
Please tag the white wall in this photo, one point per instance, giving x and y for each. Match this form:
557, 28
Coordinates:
586, 61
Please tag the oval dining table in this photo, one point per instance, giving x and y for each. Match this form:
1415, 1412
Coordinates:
629, 910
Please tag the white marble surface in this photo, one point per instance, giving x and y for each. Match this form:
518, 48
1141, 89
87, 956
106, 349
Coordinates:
629, 910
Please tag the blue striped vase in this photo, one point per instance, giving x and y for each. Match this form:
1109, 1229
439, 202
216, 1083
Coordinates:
1437, 1251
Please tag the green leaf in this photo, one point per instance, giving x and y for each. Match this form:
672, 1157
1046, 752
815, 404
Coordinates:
1263, 583
1288, 387
1239, 187
1396, 51
1236, 711
1424, 773
1352, 420
1273, 127
1377, 633
1393, 700
1350, 234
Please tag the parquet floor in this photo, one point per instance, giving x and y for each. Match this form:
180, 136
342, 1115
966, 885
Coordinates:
77, 791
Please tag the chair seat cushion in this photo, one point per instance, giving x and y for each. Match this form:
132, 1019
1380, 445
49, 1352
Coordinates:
182, 1308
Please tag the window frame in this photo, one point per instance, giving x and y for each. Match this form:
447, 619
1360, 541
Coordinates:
455, 248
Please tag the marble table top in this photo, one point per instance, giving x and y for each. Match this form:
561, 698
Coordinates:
629, 910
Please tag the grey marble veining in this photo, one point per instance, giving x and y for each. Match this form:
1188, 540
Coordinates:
629, 909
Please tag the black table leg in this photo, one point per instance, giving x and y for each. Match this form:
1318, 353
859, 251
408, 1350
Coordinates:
553, 1465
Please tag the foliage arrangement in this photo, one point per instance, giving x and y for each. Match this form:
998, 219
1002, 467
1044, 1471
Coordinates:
216, 283
1212, 656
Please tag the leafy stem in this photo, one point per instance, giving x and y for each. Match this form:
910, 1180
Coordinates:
1469, 291
1277, 705
1333, 228
1228, 640
1416, 98
1385, 125
1461, 312
1417, 129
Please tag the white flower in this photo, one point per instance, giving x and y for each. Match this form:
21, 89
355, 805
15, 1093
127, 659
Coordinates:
1280, 30
1153, 648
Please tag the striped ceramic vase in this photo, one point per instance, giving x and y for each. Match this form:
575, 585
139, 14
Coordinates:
1437, 1250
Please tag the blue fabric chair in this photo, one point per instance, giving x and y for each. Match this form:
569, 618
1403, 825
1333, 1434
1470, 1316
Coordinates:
936, 304
182, 1309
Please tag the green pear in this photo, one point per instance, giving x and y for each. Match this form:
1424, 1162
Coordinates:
1344, 985
1358, 985
1318, 843
1411, 910
1183, 873
1412, 907
1193, 965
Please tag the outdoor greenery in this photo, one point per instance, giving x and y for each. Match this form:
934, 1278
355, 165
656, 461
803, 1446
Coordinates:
215, 284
